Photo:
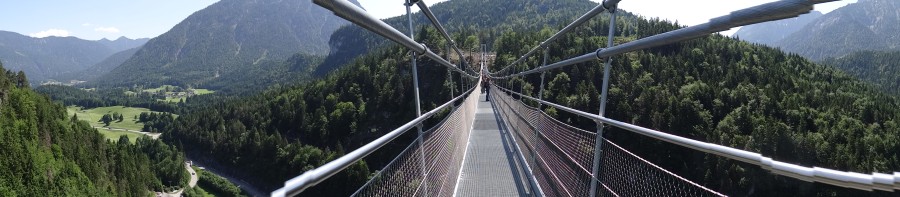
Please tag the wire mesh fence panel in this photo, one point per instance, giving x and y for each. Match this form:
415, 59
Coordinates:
560, 157
625, 174
443, 149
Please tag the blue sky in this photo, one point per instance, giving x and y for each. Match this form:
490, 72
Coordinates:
97, 19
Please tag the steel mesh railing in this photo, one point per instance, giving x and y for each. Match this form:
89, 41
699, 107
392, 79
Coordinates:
444, 148
560, 156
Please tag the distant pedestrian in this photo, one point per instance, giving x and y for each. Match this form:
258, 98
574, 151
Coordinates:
487, 89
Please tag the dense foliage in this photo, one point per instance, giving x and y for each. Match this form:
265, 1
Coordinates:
217, 185
46, 153
105, 97
720, 90
482, 20
882, 69
100, 68
279, 134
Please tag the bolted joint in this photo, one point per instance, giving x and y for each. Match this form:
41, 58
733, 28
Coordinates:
410, 2
598, 53
611, 5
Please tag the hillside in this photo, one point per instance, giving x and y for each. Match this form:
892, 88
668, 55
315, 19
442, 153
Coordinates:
99, 68
47, 153
44, 58
882, 69
721, 90
868, 25
772, 32
224, 38
461, 18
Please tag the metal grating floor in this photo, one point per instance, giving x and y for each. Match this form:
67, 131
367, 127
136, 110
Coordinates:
490, 167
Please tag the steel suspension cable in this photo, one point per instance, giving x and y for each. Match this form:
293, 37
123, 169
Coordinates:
606, 5
440, 28
358, 16
879, 181
756, 14
313, 177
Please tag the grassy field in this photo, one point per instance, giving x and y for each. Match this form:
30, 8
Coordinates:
93, 116
115, 134
175, 99
155, 90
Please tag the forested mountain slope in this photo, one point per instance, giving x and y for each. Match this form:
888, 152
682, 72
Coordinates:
868, 25
44, 58
882, 69
772, 32
723, 91
481, 20
46, 153
228, 36
100, 68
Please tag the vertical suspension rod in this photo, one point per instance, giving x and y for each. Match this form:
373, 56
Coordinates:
595, 171
415, 73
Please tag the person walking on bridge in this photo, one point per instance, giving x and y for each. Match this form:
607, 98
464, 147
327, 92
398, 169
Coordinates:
486, 86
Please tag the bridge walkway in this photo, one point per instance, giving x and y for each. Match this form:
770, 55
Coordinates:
490, 167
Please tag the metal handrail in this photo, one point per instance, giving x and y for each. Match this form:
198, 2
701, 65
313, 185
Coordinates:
315, 176
440, 28
606, 5
879, 181
358, 16
756, 14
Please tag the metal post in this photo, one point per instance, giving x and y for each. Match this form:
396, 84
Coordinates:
541, 91
450, 74
418, 101
595, 172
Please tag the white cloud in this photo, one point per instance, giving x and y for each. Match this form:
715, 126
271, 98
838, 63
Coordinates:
107, 29
87, 24
50, 32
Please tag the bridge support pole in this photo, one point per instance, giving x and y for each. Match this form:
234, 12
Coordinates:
598, 152
541, 90
415, 73
450, 74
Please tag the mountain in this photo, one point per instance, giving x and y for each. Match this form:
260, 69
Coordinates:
715, 89
461, 18
226, 37
47, 153
99, 68
123, 43
881, 69
772, 32
43, 58
868, 25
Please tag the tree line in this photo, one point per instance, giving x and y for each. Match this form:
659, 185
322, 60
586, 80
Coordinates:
46, 153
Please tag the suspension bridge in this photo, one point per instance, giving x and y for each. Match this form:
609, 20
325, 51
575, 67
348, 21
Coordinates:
493, 144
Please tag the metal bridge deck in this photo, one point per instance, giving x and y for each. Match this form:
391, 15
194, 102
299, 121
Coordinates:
490, 167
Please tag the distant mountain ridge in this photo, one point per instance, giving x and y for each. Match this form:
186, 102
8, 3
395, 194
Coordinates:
770, 33
228, 36
868, 25
123, 43
44, 58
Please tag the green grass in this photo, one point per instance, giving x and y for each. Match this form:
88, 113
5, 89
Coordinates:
203, 91
155, 90
114, 134
93, 116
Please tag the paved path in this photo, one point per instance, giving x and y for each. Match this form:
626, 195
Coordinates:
490, 167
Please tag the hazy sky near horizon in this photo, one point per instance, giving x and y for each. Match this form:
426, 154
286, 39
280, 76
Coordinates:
97, 19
